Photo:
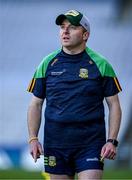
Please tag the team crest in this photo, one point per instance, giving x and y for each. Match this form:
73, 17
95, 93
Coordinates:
52, 161
83, 73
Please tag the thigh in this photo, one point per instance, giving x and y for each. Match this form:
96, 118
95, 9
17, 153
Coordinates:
90, 174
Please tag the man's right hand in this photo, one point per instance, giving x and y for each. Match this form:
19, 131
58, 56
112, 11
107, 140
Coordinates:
36, 149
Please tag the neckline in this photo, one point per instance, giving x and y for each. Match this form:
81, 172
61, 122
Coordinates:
73, 56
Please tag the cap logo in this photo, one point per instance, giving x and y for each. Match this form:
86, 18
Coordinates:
72, 13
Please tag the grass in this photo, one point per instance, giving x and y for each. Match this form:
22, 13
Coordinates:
19, 174
118, 174
16, 174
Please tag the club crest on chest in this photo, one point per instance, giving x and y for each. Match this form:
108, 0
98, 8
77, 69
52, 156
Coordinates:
83, 73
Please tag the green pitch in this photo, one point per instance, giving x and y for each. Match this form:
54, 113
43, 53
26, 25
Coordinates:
15, 174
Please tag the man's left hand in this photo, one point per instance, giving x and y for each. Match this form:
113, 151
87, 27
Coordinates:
108, 151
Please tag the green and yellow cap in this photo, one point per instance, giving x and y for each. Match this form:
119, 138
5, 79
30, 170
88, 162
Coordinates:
76, 18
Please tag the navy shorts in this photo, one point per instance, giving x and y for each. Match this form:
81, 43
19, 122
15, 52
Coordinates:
70, 161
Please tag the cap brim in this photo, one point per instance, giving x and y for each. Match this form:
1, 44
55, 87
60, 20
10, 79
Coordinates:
60, 19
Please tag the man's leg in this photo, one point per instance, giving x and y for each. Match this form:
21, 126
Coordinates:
61, 177
90, 175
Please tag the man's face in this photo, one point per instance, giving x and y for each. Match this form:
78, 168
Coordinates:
70, 35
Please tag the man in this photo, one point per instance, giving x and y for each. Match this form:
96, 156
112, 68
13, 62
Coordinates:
74, 80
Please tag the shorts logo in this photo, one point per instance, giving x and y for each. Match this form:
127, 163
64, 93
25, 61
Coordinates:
50, 161
83, 73
92, 159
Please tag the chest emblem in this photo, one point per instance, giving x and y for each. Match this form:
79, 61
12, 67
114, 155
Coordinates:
83, 73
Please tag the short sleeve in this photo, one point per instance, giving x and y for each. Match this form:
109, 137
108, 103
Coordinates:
111, 85
37, 86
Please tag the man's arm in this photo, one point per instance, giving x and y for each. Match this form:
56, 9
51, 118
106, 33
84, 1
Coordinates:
109, 150
114, 116
34, 121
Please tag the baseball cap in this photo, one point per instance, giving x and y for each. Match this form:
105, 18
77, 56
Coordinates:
75, 17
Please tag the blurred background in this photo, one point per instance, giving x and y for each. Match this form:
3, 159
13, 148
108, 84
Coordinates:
27, 34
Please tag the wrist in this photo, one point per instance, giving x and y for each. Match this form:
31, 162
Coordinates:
113, 141
32, 139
